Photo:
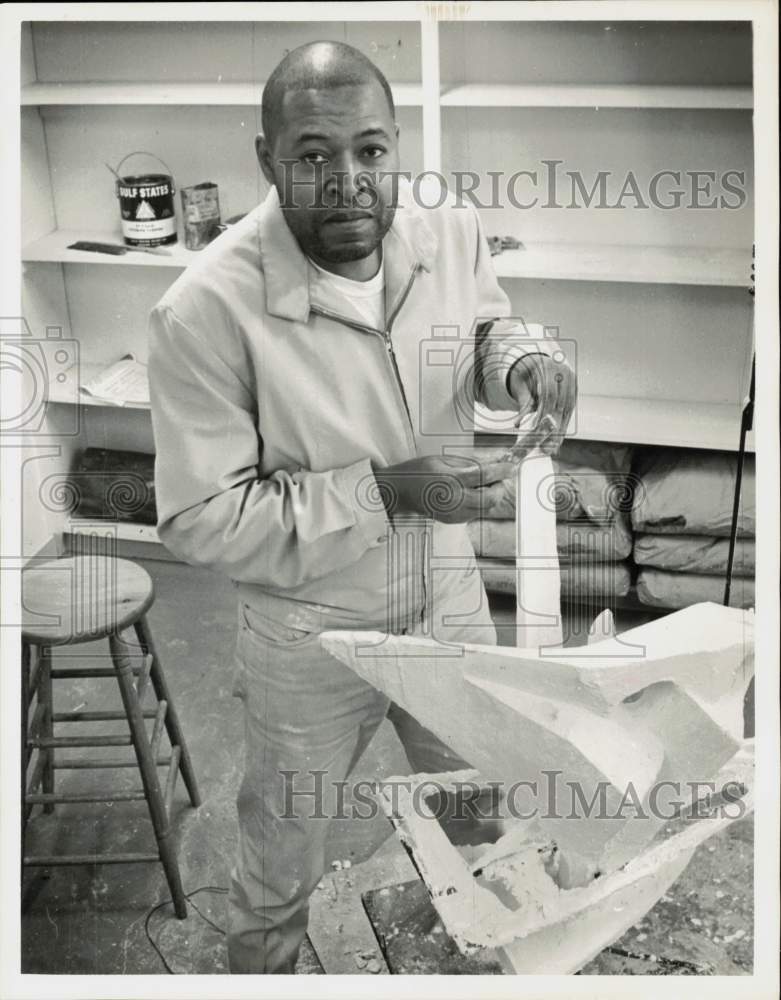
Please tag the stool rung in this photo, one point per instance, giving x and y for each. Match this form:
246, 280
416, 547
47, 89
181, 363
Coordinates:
88, 765
53, 798
47, 742
173, 773
53, 860
148, 713
62, 673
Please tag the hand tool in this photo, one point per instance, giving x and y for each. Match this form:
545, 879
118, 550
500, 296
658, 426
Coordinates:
117, 249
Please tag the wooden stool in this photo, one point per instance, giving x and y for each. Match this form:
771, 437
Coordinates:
77, 600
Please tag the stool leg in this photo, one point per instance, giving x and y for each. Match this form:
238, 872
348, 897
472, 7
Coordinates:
46, 698
162, 692
123, 666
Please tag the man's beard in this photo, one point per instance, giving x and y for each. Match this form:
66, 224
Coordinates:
341, 253
346, 253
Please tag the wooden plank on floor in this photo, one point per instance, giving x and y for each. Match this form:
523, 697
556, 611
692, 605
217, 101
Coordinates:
411, 936
308, 963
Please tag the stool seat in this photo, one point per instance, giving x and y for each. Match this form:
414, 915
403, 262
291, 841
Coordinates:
81, 599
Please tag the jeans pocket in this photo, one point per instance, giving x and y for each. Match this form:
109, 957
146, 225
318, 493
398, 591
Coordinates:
261, 627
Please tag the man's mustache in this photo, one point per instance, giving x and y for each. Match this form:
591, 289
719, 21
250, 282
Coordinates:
347, 215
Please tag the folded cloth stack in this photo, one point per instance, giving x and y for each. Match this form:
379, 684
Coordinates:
592, 496
113, 485
683, 516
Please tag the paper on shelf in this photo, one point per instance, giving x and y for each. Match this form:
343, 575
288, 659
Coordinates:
124, 383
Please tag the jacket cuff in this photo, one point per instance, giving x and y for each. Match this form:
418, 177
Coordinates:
361, 492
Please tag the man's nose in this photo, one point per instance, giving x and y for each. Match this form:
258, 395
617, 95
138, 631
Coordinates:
348, 179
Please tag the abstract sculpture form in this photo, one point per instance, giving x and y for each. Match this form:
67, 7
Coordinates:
609, 741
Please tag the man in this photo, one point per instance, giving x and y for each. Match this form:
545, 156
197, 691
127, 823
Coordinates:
301, 450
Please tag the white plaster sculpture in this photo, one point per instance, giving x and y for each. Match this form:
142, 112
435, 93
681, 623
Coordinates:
537, 577
623, 721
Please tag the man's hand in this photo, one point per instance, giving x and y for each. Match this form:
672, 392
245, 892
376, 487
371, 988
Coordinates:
548, 387
449, 489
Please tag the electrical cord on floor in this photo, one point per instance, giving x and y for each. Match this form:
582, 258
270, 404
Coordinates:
672, 963
188, 896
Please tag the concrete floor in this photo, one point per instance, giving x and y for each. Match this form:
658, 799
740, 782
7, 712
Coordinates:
92, 919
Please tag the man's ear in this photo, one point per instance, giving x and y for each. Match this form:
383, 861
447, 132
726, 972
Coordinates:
263, 153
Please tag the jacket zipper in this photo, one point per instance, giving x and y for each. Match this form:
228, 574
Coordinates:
388, 343
391, 355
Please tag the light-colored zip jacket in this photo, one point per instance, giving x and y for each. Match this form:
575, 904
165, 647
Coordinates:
271, 399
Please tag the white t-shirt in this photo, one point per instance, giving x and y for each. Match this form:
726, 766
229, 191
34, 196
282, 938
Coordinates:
367, 297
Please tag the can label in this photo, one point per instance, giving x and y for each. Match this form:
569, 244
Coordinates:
140, 229
201, 209
147, 210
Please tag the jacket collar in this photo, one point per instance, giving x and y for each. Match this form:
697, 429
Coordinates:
409, 244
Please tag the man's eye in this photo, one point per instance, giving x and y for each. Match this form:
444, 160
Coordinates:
314, 158
374, 152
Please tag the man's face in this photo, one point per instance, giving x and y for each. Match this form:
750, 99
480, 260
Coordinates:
332, 161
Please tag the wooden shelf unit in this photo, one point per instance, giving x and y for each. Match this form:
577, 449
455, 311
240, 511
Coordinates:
623, 263
186, 94
450, 120
476, 95
554, 261
633, 420
53, 248
123, 531
498, 95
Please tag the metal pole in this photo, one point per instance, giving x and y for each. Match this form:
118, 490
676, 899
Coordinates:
746, 424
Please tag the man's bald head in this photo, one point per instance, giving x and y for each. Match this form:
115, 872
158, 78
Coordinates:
330, 148
317, 66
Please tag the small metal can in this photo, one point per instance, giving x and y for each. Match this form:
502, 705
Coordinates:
201, 211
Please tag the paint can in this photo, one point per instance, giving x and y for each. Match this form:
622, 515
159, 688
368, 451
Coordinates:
146, 205
201, 211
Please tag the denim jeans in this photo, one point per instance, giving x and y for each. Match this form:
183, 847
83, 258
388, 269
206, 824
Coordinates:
306, 712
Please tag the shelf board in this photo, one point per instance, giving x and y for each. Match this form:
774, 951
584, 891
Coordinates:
498, 95
599, 418
53, 248
64, 388
173, 93
126, 531
566, 262
643, 264
480, 95
625, 420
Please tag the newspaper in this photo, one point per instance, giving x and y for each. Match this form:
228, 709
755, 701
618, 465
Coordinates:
125, 383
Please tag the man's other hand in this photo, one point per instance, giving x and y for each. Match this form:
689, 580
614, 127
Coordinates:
448, 488
547, 387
